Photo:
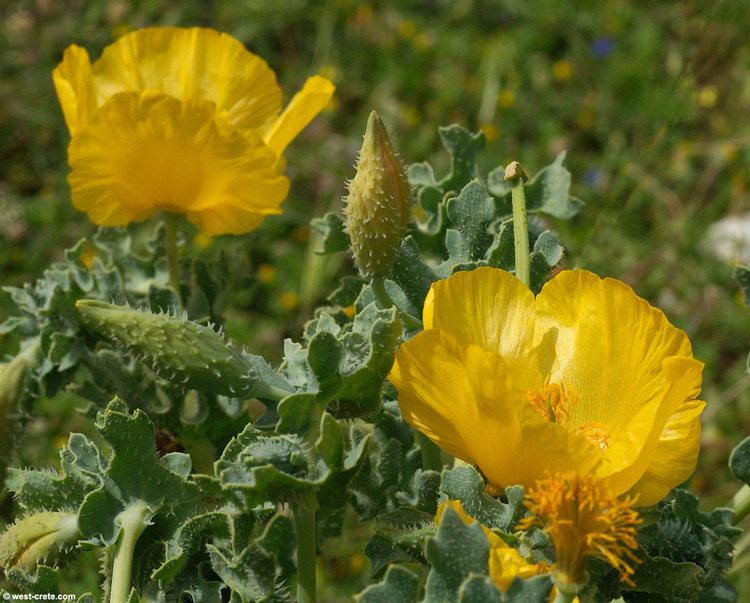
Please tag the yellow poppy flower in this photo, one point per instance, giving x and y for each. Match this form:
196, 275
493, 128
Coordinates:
505, 562
586, 377
179, 120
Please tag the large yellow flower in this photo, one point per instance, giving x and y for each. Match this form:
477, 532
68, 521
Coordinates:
179, 120
586, 377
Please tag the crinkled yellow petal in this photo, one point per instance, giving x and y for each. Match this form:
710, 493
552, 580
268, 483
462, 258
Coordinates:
145, 152
300, 111
74, 86
492, 309
191, 64
505, 562
675, 456
608, 343
632, 448
462, 398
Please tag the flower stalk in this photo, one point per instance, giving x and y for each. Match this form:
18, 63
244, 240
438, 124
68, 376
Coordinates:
741, 503
515, 174
133, 520
173, 258
385, 301
304, 510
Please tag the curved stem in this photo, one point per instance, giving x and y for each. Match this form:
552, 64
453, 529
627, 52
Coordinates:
520, 232
385, 301
741, 503
170, 221
303, 512
133, 520
432, 457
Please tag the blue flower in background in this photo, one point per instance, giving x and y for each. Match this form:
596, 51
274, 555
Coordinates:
602, 46
593, 177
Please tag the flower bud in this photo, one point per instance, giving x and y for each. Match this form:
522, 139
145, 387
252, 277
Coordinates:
378, 206
33, 540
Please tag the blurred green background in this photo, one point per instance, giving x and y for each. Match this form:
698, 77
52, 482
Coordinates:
650, 99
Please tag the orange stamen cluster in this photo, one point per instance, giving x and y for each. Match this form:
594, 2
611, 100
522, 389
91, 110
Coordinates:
554, 402
584, 521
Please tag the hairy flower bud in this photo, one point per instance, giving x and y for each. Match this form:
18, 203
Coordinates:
378, 206
33, 540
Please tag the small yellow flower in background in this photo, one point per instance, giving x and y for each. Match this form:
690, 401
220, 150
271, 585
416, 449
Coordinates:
562, 70
406, 29
411, 115
586, 119
289, 300
422, 40
180, 120
708, 96
506, 98
266, 273
584, 521
490, 132
505, 562
586, 377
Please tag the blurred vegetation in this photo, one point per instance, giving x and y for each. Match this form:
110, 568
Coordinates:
650, 99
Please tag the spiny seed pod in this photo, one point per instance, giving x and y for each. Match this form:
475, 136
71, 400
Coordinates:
37, 538
177, 348
378, 206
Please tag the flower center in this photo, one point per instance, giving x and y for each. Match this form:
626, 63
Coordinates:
554, 401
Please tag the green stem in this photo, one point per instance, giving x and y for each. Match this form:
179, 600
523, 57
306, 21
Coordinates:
173, 258
432, 456
385, 301
741, 503
303, 511
133, 520
520, 232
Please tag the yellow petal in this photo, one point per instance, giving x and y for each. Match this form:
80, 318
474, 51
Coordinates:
74, 86
462, 398
145, 152
607, 342
191, 64
492, 309
675, 455
300, 111
632, 450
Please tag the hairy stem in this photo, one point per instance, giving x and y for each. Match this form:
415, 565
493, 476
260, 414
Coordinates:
171, 221
520, 232
303, 511
385, 301
133, 520
741, 503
